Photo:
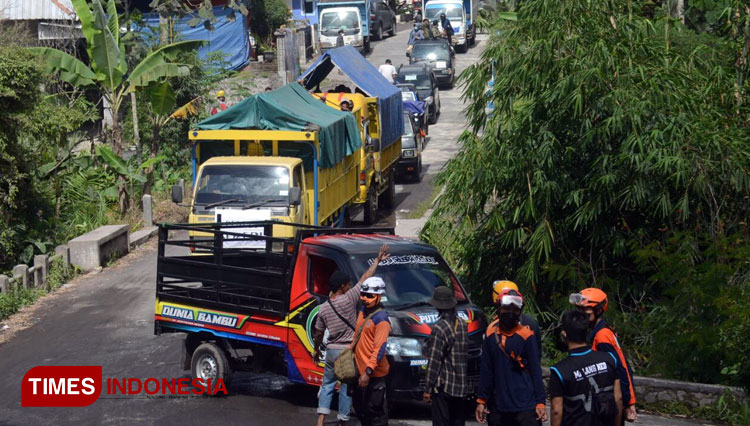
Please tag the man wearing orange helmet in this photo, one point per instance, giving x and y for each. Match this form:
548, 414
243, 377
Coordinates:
497, 287
593, 302
510, 374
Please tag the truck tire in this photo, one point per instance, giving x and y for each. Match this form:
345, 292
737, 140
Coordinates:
392, 31
366, 46
388, 198
371, 206
379, 32
416, 176
209, 361
432, 118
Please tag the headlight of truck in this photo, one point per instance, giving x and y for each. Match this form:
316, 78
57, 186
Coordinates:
408, 153
403, 346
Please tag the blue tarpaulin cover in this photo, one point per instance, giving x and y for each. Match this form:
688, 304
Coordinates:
292, 108
369, 80
415, 107
231, 38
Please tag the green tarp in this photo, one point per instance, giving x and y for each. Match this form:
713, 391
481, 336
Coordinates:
292, 108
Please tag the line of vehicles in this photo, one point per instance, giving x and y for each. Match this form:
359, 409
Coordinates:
276, 179
364, 20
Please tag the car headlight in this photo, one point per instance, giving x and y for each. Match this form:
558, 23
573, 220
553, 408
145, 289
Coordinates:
408, 153
403, 346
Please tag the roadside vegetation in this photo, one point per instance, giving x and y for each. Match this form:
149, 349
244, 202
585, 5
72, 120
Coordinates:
60, 175
617, 156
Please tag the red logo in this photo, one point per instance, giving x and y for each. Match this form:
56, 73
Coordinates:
61, 386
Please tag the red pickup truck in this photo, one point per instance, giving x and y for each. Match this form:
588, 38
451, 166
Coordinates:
255, 308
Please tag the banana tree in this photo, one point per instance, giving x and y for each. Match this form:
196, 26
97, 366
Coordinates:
109, 71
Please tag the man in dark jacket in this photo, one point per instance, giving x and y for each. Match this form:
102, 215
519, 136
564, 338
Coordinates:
510, 370
584, 387
446, 384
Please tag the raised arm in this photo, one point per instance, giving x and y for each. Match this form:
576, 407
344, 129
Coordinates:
353, 293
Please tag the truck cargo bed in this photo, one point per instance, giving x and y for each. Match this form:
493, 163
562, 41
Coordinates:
241, 280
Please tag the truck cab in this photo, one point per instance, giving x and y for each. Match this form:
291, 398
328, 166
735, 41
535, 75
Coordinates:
461, 14
243, 309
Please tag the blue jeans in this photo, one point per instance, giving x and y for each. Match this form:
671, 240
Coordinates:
327, 389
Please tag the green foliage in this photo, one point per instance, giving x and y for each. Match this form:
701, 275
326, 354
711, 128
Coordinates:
204, 15
16, 299
59, 274
611, 133
267, 17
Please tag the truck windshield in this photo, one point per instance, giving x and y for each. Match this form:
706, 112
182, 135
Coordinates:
452, 11
245, 184
411, 279
331, 22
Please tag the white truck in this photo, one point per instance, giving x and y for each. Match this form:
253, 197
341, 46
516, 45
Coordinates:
350, 16
461, 13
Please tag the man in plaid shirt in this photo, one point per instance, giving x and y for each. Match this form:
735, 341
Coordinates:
446, 349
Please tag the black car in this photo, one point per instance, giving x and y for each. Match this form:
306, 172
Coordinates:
412, 143
422, 77
381, 18
439, 55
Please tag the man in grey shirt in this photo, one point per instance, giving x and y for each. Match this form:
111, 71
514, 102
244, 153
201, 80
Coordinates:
338, 315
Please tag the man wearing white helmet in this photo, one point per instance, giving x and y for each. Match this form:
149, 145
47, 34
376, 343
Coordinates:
373, 328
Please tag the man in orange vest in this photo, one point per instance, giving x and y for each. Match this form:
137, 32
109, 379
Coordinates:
222, 103
593, 302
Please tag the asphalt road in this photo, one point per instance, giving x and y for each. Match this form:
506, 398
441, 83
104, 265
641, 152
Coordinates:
107, 319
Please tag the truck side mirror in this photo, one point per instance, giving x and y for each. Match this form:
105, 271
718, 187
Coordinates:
374, 145
295, 196
177, 191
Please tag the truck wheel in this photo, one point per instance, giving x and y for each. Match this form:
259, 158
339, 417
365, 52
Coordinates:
379, 33
433, 117
388, 198
366, 46
210, 362
371, 206
392, 31
416, 176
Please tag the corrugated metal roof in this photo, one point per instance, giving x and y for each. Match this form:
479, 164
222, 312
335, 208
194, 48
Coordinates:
17, 10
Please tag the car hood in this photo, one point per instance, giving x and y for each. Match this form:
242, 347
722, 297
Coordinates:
418, 322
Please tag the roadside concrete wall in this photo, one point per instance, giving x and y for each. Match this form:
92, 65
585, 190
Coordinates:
88, 251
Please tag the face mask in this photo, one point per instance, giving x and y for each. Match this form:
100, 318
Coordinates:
509, 319
370, 302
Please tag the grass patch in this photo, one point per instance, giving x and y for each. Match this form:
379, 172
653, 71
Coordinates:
17, 298
425, 205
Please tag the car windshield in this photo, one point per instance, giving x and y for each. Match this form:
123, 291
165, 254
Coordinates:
341, 20
452, 11
421, 81
245, 184
431, 52
411, 279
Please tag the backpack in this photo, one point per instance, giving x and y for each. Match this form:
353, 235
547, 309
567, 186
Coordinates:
345, 366
603, 405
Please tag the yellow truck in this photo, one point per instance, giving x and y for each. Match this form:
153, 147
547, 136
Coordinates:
296, 161
384, 126
377, 182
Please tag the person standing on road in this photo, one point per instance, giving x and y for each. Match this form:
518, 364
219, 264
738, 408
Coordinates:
337, 315
584, 387
388, 71
498, 286
510, 370
340, 39
373, 328
593, 302
446, 383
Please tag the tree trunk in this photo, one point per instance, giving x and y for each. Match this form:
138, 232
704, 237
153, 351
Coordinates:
155, 142
136, 134
122, 185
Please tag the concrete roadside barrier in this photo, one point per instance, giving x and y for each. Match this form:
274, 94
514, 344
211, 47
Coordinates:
94, 249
